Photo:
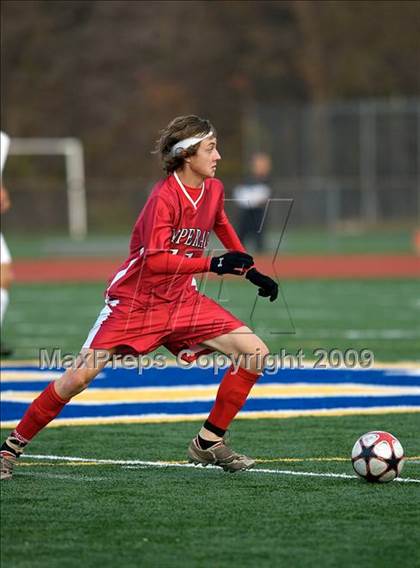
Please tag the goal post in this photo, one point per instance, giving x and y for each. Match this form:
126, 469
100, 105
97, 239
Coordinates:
72, 151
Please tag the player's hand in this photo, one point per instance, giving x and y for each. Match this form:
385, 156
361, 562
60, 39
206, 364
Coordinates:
266, 285
231, 263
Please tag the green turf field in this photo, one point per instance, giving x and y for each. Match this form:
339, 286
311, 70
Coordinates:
93, 514
380, 315
67, 514
356, 240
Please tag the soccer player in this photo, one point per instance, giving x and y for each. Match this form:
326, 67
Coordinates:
252, 196
152, 299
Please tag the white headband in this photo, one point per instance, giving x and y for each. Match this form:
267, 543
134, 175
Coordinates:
184, 144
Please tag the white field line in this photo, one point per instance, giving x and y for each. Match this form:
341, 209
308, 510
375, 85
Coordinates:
16, 376
139, 464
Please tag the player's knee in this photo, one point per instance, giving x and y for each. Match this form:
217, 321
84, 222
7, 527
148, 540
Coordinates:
82, 379
74, 382
258, 359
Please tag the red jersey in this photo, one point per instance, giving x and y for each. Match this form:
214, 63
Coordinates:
168, 242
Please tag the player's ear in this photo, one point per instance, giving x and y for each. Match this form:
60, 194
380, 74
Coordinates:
181, 153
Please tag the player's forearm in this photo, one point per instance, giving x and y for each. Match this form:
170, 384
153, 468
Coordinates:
167, 263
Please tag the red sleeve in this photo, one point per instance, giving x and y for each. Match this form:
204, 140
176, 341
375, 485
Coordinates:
224, 230
167, 263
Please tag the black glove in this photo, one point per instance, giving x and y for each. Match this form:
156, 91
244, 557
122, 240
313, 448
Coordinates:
231, 263
266, 285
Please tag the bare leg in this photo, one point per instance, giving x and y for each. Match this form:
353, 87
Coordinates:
77, 379
242, 343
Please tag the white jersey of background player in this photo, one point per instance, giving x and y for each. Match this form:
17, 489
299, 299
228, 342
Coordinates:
5, 258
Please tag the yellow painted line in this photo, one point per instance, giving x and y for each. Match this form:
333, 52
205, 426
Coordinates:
162, 419
299, 460
19, 363
330, 412
194, 393
259, 391
28, 376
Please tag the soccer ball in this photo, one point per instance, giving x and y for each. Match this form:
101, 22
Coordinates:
378, 457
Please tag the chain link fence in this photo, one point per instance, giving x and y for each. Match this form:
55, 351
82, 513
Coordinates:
343, 161
344, 165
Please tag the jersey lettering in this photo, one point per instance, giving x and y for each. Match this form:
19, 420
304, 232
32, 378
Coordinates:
191, 237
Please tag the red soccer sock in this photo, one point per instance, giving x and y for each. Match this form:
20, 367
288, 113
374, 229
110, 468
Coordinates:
42, 410
231, 396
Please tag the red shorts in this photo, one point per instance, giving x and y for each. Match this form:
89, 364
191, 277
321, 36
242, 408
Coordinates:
139, 329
